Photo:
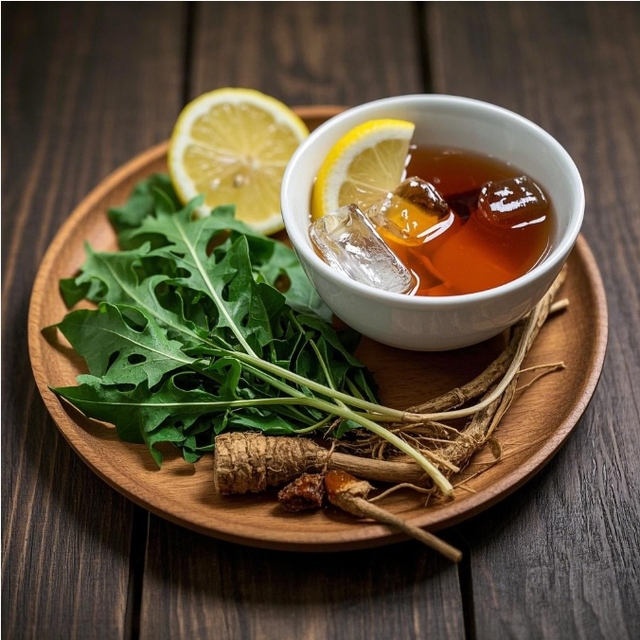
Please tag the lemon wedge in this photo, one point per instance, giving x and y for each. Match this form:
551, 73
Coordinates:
233, 145
363, 166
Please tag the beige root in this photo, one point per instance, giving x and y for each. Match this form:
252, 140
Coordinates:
505, 366
250, 463
350, 495
484, 422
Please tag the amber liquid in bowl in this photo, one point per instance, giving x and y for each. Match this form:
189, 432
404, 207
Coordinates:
473, 254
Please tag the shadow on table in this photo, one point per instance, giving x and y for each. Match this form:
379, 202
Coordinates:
231, 572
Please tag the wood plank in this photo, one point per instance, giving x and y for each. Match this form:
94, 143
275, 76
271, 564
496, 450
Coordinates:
309, 52
300, 53
561, 557
85, 86
225, 590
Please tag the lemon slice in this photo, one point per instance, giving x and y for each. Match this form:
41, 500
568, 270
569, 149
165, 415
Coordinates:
363, 166
233, 145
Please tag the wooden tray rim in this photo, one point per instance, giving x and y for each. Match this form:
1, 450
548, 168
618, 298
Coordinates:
369, 536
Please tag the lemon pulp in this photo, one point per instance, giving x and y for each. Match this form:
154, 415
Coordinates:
363, 166
233, 145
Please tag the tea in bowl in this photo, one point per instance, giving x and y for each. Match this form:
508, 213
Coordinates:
467, 151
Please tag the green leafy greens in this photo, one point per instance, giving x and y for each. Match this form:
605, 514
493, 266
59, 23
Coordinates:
203, 325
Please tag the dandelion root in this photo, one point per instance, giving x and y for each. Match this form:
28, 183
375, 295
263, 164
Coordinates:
250, 463
350, 495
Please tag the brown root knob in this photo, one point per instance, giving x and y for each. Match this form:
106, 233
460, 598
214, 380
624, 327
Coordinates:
305, 492
342, 488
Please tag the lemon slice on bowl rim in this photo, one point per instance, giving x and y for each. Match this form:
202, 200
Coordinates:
233, 145
363, 166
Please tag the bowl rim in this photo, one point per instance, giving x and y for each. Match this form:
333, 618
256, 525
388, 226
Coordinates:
549, 264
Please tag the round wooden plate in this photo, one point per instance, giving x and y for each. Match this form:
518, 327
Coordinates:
538, 422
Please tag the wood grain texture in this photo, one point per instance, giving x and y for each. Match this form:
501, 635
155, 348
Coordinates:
228, 591
301, 53
309, 52
561, 558
85, 86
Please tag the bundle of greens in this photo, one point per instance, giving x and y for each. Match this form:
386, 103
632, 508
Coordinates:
202, 326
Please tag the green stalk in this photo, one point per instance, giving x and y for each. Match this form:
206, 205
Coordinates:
314, 346
314, 427
372, 407
365, 421
325, 368
435, 474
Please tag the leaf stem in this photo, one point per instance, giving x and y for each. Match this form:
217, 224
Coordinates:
316, 386
436, 475
367, 421
211, 289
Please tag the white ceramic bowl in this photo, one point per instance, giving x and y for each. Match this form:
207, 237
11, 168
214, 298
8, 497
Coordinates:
439, 323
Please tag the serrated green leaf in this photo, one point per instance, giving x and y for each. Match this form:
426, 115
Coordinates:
178, 307
272, 260
118, 353
142, 202
116, 277
137, 410
244, 307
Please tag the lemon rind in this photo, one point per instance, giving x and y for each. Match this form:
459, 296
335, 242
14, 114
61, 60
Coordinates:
180, 139
344, 152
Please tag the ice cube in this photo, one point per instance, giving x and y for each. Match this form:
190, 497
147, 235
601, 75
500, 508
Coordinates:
347, 241
515, 202
414, 213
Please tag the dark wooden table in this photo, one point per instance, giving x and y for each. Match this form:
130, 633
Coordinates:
86, 86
